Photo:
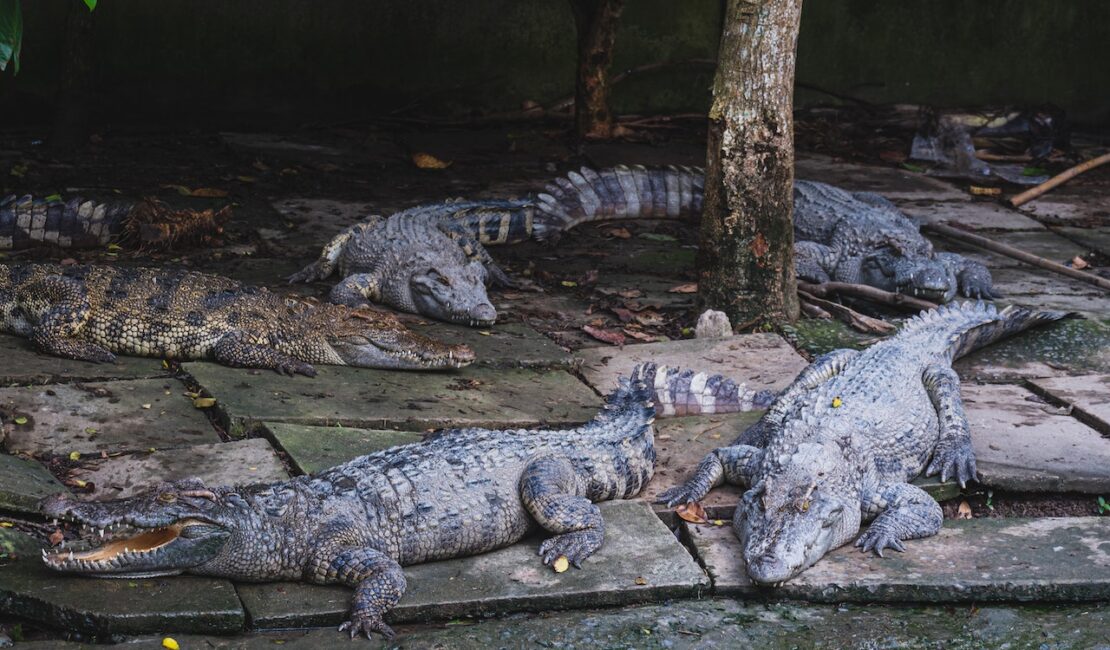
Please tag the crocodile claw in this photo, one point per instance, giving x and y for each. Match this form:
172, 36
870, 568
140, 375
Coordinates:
366, 623
678, 495
876, 538
576, 546
957, 462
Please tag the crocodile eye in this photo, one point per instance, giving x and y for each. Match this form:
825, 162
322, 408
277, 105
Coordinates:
167, 497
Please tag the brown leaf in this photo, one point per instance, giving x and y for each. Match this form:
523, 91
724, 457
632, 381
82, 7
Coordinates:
640, 336
892, 156
428, 161
605, 336
1078, 262
964, 511
689, 287
630, 293
209, 193
649, 318
759, 245
622, 313
640, 580
56, 537
692, 512
619, 233
985, 191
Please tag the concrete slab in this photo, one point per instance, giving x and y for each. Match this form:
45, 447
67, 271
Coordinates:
224, 463
1096, 239
313, 222
1069, 347
311, 449
1045, 560
30, 591
1089, 397
23, 365
505, 345
640, 561
23, 482
1034, 284
762, 361
892, 182
1046, 244
977, 215
1023, 444
1070, 206
379, 399
130, 415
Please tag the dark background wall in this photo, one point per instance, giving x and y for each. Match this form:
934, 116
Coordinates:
265, 61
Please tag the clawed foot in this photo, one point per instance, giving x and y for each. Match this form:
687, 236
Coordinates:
957, 462
366, 623
294, 367
876, 538
310, 273
980, 292
679, 495
576, 546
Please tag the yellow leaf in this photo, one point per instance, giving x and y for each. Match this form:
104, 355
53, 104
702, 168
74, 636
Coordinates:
75, 455
21, 420
146, 406
561, 564
836, 403
569, 283
204, 402
640, 580
718, 522
79, 483
6, 524
428, 161
170, 644
985, 191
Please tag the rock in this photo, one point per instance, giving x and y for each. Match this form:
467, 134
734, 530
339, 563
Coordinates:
713, 324
23, 482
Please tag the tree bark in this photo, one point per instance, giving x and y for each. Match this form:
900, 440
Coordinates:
596, 22
746, 256
71, 121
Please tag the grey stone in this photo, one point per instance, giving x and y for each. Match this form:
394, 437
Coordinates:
30, 591
713, 324
508, 345
1096, 239
638, 549
1023, 444
24, 365
1064, 204
977, 215
223, 463
311, 449
762, 361
23, 482
1068, 347
107, 416
1046, 244
1046, 560
1089, 397
388, 399
891, 182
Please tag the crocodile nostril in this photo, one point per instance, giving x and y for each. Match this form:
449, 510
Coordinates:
483, 312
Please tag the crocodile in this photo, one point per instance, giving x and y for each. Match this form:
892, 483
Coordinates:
94, 312
432, 260
461, 492
78, 223
839, 446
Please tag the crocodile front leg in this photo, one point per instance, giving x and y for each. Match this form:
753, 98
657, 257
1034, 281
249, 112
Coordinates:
233, 350
954, 455
358, 289
56, 333
972, 278
905, 512
814, 262
735, 465
378, 580
552, 493
332, 252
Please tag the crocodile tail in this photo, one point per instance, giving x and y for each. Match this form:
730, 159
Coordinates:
973, 325
618, 193
27, 222
492, 222
677, 392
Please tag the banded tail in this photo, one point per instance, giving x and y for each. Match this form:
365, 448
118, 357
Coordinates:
26, 222
678, 392
971, 326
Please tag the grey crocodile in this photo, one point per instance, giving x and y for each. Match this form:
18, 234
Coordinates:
432, 260
77, 223
841, 443
462, 492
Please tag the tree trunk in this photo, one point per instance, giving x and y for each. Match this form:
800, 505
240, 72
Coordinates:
596, 22
72, 119
746, 256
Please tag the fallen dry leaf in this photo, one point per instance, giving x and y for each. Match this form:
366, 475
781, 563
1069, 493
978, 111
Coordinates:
692, 512
640, 580
1078, 262
688, 287
605, 336
630, 293
619, 233
428, 161
561, 564
623, 314
204, 402
964, 511
640, 336
985, 191
209, 193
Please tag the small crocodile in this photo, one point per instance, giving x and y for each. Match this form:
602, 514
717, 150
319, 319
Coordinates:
78, 223
462, 492
432, 260
93, 312
841, 443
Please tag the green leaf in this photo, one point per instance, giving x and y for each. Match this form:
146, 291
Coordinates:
91, 4
1034, 171
11, 34
913, 168
53, 198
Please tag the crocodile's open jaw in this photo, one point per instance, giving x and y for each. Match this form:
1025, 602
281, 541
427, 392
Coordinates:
140, 552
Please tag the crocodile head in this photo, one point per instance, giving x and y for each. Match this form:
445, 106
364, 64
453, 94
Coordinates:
177, 527
923, 277
454, 293
370, 339
804, 506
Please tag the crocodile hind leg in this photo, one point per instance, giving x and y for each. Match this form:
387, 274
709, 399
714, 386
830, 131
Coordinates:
377, 579
329, 258
233, 350
69, 310
954, 455
552, 493
734, 465
905, 512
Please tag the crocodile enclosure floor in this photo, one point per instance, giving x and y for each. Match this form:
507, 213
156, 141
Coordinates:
1023, 558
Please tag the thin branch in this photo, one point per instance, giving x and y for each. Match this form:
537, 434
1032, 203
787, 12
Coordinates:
1059, 179
873, 294
852, 318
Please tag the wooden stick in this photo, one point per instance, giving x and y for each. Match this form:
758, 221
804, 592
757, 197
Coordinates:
983, 154
853, 318
813, 311
1016, 253
1058, 179
869, 293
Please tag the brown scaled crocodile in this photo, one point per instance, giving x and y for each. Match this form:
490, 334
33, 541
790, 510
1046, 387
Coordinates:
93, 313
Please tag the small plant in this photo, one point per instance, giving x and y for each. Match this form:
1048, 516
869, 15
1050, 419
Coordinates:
1103, 506
11, 32
990, 500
